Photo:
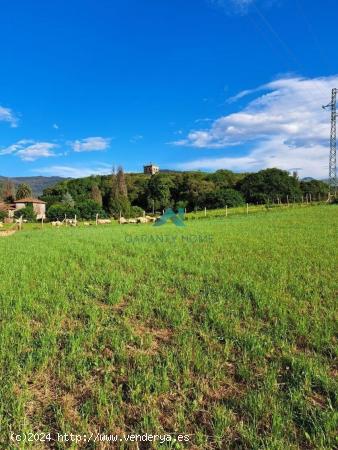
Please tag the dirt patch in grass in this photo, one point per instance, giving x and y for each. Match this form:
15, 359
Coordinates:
7, 233
47, 396
158, 338
224, 392
317, 400
167, 405
43, 391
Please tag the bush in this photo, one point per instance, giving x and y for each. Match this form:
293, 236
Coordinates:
88, 210
58, 212
120, 205
181, 204
225, 197
269, 185
27, 213
136, 211
3, 215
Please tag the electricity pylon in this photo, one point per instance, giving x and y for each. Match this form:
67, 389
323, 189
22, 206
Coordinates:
333, 144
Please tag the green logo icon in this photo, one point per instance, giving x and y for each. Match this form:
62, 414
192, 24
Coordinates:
177, 219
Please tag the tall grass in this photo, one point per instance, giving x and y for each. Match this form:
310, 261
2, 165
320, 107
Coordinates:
225, 330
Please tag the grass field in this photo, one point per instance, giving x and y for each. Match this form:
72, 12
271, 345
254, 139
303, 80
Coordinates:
224, 329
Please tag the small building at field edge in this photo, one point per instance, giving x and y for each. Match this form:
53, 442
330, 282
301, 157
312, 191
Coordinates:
151, 169
39, 206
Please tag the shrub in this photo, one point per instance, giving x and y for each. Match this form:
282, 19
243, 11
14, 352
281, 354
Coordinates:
3, 215
269, 185
27, 213
120, 204
136, 211
88, 210
58, 212
225, 197
181, 204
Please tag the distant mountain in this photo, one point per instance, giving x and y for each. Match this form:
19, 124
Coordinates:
38, 184
326, 180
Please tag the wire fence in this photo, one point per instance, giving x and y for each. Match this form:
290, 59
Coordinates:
246, 209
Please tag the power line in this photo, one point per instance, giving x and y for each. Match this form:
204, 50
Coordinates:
268, 25
292, 56
312, 34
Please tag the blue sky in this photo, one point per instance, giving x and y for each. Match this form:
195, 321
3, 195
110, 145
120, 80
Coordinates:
193, 84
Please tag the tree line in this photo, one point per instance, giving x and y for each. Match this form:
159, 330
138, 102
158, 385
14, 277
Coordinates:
132, 193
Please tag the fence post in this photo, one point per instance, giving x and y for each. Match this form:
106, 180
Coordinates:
97, 218
226, 210
42, 222
205, 211
247, 208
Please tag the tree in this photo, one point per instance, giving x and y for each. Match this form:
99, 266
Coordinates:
137, 189
27, 213
118, 198
317, 189
67, 200
54, 194
23, 191
225, 197
159, 195
88, 210
8, 191
96, 195
195, 190
58, 211
119, 205
121, 183
225, 178
269, 185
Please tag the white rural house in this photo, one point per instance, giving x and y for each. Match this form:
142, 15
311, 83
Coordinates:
39, 206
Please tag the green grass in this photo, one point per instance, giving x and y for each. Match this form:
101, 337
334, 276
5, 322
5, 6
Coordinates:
224, 329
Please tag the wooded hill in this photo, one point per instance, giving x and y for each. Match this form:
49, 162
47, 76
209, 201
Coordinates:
132, 193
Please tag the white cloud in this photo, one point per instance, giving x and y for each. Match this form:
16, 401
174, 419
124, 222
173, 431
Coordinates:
29, 150
55, 126
91, 144
266, 155
75, 172
7, 115
240, 6
136, 138
206, 119
284, 127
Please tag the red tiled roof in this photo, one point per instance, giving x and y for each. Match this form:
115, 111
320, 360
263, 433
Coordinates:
6, 207
30, 200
